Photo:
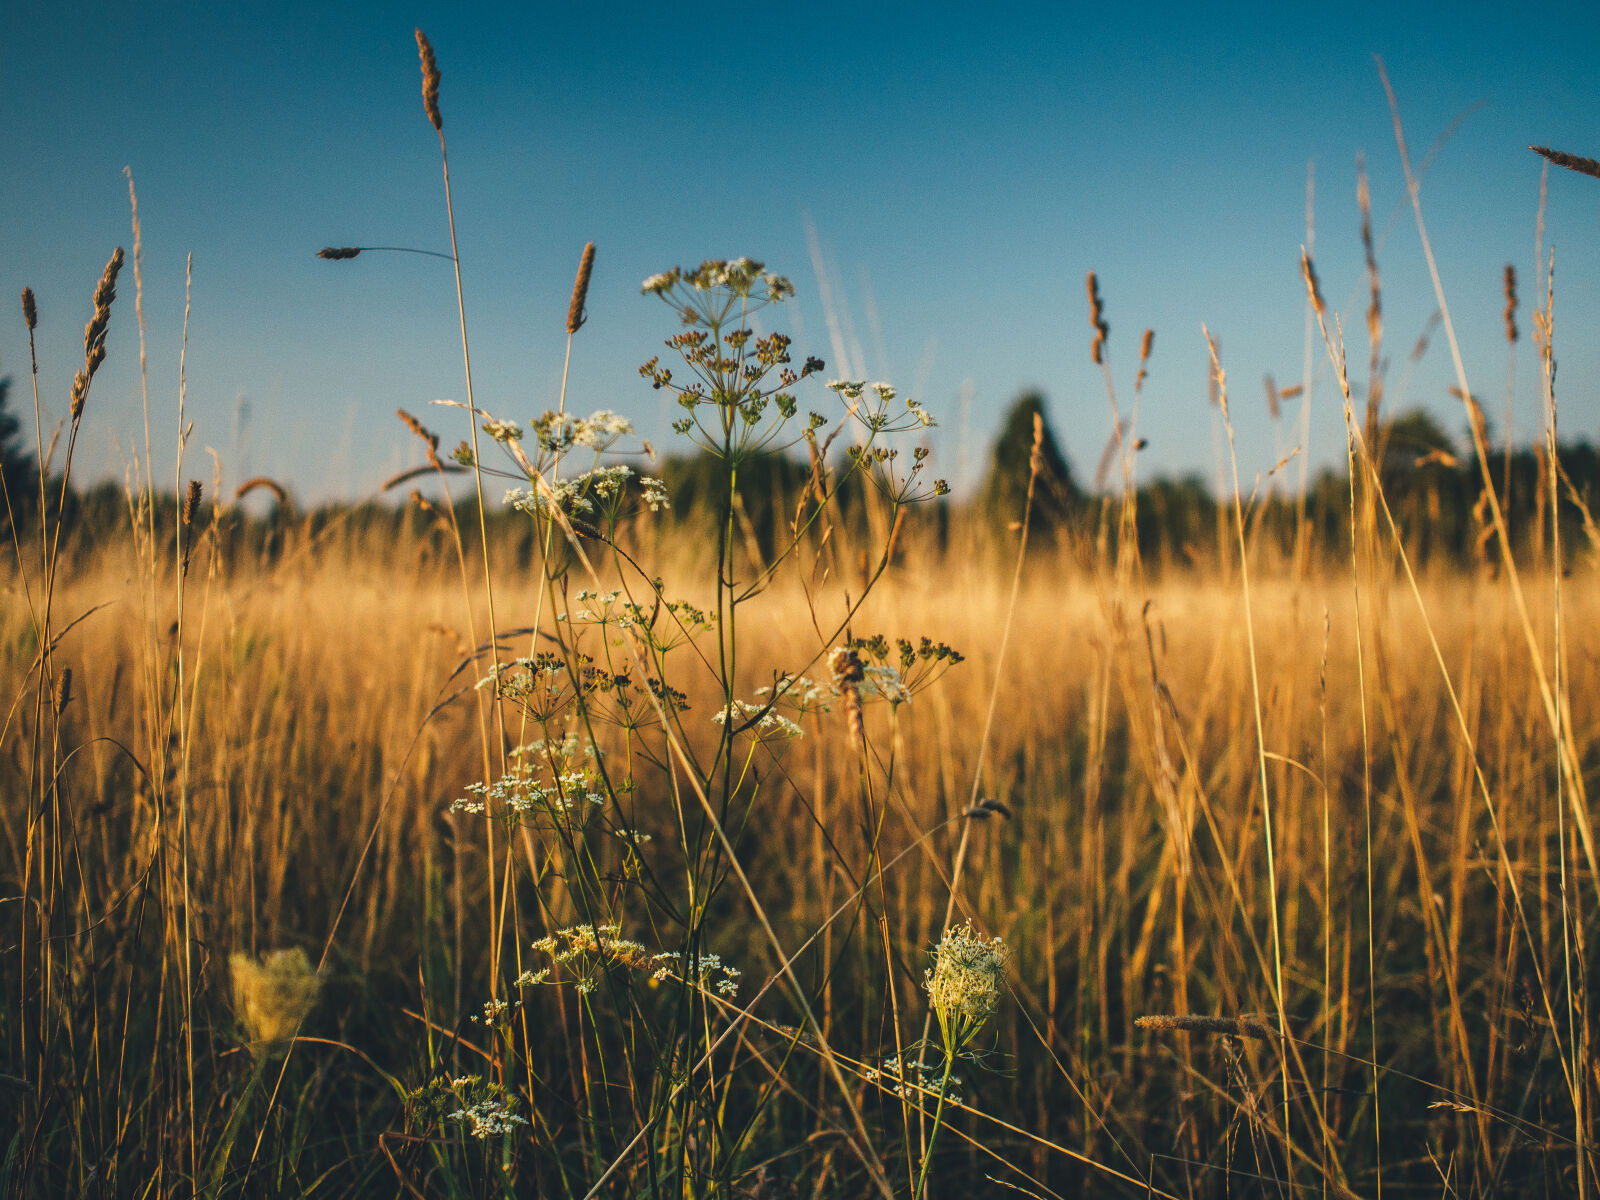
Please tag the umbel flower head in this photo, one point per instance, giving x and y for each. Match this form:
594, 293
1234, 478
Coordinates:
273, 996
964, 983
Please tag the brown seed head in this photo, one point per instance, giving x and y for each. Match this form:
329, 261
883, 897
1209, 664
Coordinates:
30, 312
848, 673
1274, 398
191, 503
80, 393
1097, 319
576, 315
1572, 162
1511, 303
94, 333
1313, 288
338, 253
63, 691
430, 439
430, 81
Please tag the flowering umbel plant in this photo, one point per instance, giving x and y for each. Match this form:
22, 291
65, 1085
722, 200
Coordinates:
964, 984
964, 988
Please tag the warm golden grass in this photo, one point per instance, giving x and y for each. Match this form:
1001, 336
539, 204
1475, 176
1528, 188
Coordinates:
327, 708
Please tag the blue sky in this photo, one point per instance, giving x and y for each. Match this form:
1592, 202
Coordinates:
961, 172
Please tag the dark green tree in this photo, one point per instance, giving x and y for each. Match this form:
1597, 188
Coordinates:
17, 468
1056, 495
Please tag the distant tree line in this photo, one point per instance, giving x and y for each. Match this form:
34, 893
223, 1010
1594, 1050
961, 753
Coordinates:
1433, 486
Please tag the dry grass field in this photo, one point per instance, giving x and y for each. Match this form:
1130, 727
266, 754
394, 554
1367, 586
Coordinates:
873, 855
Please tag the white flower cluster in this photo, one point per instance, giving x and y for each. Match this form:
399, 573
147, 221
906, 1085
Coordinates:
706, 971
887, 682
806, 695
520, 795
484, 1110
497, 1012
772, 725
503, 431
585, 949
575, 496
964, 982
930, 1083
548, 779
557, 432
873, 409
655, 493
487, 1118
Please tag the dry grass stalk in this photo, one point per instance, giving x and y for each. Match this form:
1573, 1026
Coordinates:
576, 315
1229, 1026
262, 482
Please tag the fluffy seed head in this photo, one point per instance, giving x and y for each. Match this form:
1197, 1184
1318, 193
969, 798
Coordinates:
273, 996
430, 81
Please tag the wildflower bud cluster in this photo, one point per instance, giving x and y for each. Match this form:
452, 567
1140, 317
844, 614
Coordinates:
482, 1108
585, 951
964, 983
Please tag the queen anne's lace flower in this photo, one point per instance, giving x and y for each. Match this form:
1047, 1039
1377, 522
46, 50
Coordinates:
964, 982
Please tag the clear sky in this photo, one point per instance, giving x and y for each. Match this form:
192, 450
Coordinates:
962, 170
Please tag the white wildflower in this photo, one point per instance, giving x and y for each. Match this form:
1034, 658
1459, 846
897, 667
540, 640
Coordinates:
964, 982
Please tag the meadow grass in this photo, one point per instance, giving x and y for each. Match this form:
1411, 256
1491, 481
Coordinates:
859, 856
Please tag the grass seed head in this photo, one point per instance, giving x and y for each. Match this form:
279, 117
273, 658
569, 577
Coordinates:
1097, 318
576, 315
1313, 288
430, 81
1572, 162
30, 311
1511, 303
